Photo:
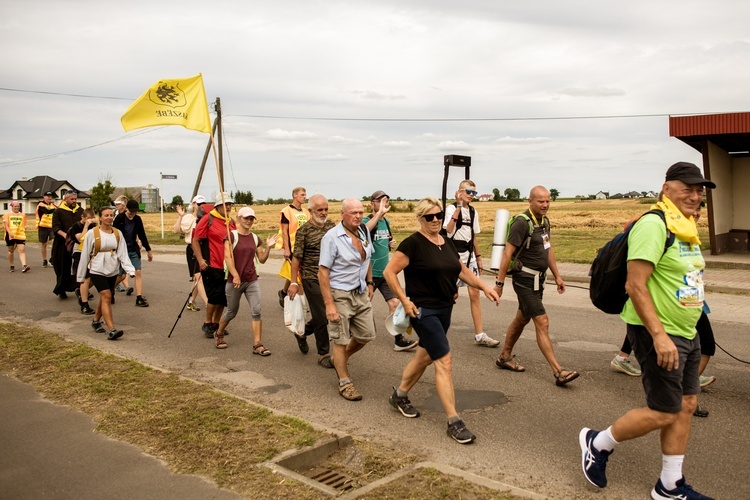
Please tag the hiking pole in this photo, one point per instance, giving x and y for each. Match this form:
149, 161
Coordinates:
190, 294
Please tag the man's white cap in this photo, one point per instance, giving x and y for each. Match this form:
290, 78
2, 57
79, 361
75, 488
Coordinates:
199, 199
227, 199
246, 212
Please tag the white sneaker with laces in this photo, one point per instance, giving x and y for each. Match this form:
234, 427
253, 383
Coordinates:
625, 367
486, 341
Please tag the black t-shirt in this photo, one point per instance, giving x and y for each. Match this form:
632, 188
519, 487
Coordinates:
536, 256
432, 271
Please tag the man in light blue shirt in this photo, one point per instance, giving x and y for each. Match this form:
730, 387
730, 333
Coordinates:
345, 277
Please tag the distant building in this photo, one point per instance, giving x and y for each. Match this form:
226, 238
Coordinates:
485, 197
602, 195
633, 195
29, 192
651, 194
146, 196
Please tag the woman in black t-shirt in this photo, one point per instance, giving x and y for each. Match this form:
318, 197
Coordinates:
431, 268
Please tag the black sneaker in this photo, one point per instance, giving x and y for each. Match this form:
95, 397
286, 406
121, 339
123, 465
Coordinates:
44, 263
460, 433
682, 490
129, 291
141, 301
85, 309
282, 294
114, 334
98, 327
402, 344
302, 343
593, 461
700, 412
207, 328
25, 269
403, 405
13, 269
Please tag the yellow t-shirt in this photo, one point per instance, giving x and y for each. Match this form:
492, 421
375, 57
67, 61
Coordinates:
15, 225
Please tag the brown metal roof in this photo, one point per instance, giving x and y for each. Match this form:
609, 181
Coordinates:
729, 131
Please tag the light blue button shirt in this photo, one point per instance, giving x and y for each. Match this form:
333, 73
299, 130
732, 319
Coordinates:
347, 271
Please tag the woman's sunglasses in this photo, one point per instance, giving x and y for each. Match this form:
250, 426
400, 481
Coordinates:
432, 217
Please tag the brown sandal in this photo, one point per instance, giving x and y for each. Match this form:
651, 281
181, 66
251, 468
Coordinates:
260, 350
220, 344
561, 380
510, 363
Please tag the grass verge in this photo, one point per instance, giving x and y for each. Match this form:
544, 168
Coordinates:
192, 427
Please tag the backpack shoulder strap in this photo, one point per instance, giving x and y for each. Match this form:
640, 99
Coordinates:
97, 241
670, 235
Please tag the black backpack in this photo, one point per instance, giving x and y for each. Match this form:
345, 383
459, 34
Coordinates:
609, 271
464, 246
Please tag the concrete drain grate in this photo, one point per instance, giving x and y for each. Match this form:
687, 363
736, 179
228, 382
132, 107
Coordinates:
334, 479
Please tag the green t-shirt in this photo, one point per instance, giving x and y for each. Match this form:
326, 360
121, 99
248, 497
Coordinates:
380, 241
676, 285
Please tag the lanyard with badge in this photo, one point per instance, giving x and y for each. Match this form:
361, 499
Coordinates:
545, 235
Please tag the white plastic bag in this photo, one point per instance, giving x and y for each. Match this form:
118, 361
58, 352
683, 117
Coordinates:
294, 314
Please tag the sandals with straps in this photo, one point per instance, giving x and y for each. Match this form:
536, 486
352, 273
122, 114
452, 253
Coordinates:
510, 363
561, 380
260, 350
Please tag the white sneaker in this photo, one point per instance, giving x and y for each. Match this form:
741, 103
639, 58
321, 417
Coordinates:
486, 341
707, 380
625, 367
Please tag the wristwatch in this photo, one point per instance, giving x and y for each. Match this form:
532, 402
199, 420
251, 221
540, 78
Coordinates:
371, 283
499, 284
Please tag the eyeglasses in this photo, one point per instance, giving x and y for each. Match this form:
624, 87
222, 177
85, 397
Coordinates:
432, 217
471, 192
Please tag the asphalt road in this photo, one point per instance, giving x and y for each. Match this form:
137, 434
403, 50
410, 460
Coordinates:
527, 427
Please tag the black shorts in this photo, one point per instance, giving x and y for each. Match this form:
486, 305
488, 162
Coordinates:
529, 300
432, 329
192, 262
385, 290
103, 282
214, 283
45, 234
665, 389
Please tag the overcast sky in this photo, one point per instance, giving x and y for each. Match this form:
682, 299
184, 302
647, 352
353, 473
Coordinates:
379, 60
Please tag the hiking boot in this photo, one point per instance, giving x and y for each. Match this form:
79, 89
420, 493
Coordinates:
44, 263
403, 405
458, 431
349, 392
593, 461
682, 490
486, 341
625, 367
402, 344
302, 344
85, 309
192, 307
706, 380
282, 294
114, 334
141, 301
207, 328
98, 326
119, 288
129, 291
25, 269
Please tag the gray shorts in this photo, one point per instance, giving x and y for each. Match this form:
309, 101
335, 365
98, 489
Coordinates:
357, 322
45, 234
473, 266
385, 290
529, 300
665, 389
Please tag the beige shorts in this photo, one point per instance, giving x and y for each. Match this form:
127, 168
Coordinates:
357, 322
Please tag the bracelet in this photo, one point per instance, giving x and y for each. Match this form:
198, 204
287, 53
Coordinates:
454, 219
294, 283
499, 284
477, 255
372, 283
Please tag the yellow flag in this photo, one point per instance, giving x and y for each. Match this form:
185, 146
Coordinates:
170, 102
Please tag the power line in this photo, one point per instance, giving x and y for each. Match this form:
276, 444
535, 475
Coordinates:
64, 94
13, 163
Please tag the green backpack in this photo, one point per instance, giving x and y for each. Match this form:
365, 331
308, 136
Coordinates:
515, 263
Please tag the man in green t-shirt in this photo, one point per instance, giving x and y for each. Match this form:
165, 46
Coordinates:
382, 243
666, 299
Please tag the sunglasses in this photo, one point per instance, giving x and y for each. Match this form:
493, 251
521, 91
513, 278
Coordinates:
432, 217
471, 192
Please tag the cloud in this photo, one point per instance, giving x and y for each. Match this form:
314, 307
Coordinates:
336, 157
369, 94
289, 135
396, 144
521, 141
592, 92
453, 146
